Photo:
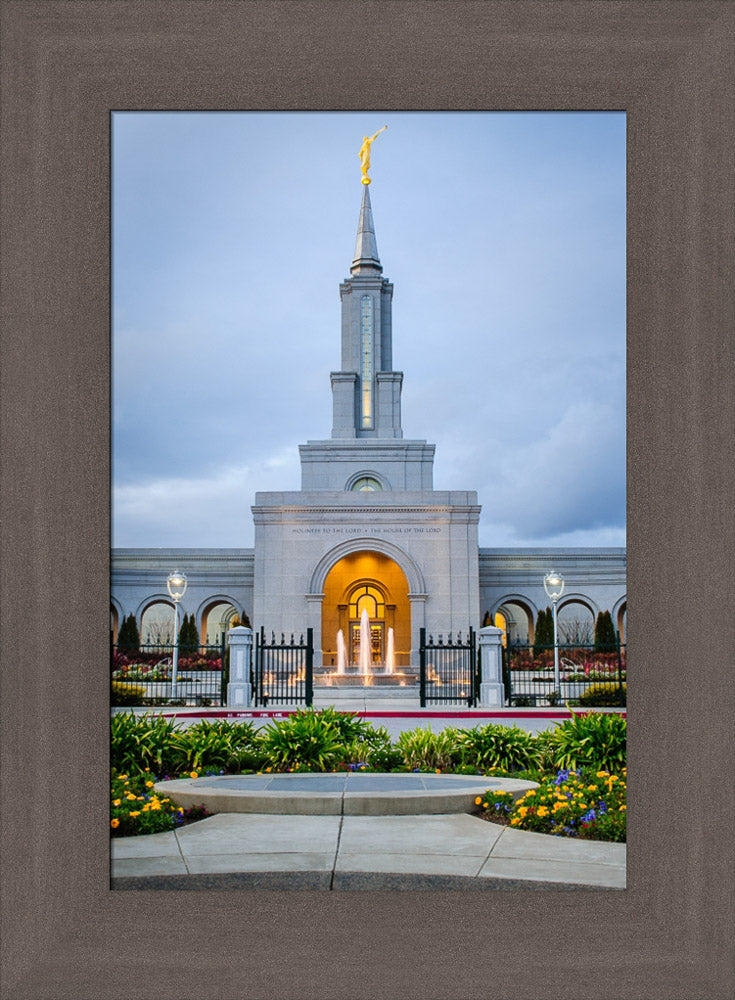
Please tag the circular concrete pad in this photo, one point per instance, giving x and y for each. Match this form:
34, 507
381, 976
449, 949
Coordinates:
351, 794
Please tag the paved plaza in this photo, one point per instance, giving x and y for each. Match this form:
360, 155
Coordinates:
355, 831
456, 851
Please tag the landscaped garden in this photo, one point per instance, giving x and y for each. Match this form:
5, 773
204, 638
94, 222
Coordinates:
579, 765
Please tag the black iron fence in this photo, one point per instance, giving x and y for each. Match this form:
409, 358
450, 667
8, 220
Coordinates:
588, 676
283, 672
449, 670
143, 675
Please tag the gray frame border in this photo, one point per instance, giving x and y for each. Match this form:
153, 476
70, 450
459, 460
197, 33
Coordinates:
669, 64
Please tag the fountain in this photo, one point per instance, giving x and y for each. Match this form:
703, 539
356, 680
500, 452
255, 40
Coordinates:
365, 644
389, 654
341, 653
364, 673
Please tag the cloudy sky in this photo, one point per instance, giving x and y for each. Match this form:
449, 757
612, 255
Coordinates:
504, 237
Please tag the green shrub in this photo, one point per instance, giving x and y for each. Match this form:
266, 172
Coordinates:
349, 726
127, 695
422, 748
593, 740
386, 758
602, 696
140, 742
498, 746
546, 749
220, 745
305, 738
374, 748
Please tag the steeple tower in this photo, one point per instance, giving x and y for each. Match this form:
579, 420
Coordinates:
366, 393
367, 437
366, 257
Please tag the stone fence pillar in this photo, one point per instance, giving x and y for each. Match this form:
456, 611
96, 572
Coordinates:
239, 688
491, 667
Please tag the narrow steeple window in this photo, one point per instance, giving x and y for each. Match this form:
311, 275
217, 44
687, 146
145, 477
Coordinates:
366, 362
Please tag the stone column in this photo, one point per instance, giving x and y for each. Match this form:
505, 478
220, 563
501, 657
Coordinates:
239, 688
314, 621
491, 667
417, 603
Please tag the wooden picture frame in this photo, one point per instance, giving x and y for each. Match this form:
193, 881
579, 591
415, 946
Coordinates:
66, 66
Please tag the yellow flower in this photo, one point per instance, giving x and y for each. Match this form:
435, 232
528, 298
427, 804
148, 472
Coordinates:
478, 800
136, 813
114, 823
267, 770
522, 811
603, 774
622, 809
515, 821
149, 784
592, 788
130, 797
543, 811
529, 794
193, 775
117, 802
484, 805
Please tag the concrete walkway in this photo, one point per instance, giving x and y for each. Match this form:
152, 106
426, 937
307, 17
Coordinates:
458, 851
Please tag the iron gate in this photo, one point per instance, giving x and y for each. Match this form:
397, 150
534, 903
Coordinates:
588, 675
283, 672
449, 670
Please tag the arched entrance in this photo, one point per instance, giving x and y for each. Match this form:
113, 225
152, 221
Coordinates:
215, 618
516, 618
373, 582
157, 624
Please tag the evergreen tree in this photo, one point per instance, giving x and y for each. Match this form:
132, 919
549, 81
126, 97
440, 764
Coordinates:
611, 637
188, 635
605, 636
128, 639
182, 638
599, 627
193, 633
544, 633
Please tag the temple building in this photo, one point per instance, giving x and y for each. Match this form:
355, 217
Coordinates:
367, 530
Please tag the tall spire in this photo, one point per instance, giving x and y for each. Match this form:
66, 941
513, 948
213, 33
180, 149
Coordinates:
366, 247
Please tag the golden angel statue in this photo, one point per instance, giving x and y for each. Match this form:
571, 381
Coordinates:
364, 154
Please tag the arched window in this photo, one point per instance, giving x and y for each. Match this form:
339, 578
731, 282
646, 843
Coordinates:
157, 624
575, 623
368, 598
366, 484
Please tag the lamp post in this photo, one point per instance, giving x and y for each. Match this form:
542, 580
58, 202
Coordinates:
554, 587
176, 584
